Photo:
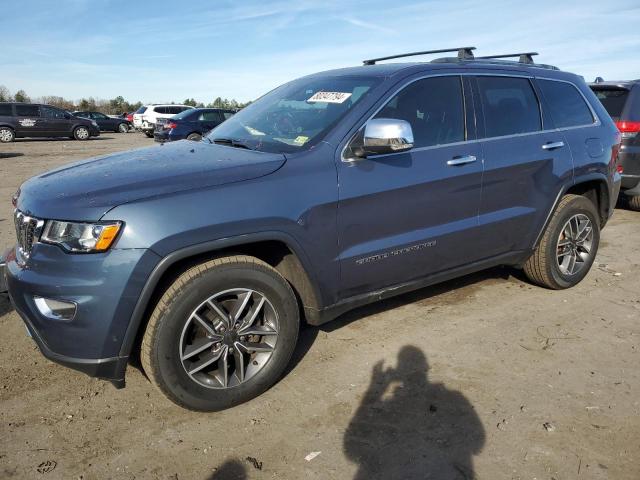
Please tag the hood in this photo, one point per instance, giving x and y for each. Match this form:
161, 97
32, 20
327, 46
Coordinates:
86, 190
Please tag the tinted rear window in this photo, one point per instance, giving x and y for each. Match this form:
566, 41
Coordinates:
28, 110
141, 110
5, 109
567, 106
613, 100
510, 106
186, 115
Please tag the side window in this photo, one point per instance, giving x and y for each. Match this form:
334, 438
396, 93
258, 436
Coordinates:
510, 106
209, 117
434, 107
99, 116
27, 110
49, 112
159, 110
5, 110
566, 104
227, 115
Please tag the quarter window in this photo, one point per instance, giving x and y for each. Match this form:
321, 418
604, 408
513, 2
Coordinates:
510, 106
5, 110
434, 107
27, 110
209, 117
566, 105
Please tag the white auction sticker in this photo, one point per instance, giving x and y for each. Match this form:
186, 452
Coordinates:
329, 97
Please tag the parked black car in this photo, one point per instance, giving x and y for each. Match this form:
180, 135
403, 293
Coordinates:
190, 124
18, 120
622, 101
105, 122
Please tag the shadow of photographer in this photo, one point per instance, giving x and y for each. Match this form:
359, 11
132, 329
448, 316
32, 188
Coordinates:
407, 427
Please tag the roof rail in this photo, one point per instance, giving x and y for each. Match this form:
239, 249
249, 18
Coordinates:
526, 57
464, 53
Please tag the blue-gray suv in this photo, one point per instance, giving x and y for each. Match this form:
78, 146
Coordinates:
329, 192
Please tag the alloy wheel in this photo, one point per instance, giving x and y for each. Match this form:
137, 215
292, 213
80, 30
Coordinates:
574, 246
228, 338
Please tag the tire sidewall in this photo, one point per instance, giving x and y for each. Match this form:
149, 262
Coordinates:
194, 137
166, 346
122, 128
579, 205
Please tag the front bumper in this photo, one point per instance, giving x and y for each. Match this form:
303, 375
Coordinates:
104, 286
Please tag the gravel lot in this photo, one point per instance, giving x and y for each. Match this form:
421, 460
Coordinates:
484, 377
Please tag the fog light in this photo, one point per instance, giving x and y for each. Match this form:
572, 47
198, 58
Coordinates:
55, 309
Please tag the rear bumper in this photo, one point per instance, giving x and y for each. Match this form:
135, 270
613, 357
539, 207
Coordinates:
629, 160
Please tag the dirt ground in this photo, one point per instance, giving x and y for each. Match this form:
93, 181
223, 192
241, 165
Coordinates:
484, 377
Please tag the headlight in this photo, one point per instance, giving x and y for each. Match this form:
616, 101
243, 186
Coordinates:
80, 237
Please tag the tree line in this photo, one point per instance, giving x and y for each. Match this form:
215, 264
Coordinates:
114, 106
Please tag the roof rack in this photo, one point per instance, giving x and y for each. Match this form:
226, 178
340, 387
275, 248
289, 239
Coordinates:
526, 57
464, 53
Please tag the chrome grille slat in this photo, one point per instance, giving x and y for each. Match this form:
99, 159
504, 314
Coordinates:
27, 232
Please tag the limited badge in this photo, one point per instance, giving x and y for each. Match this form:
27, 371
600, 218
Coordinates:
329, 97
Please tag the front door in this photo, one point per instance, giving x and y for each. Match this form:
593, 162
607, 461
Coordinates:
55, 121
403, 216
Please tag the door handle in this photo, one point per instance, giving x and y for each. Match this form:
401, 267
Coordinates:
552, 145
461, 160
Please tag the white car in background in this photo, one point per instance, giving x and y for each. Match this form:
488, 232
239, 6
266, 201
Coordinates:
145, 118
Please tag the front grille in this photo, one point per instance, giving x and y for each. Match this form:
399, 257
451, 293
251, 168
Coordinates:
28, 231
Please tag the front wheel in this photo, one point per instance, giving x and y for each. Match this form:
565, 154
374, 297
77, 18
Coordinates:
222, 334
81, 133
568, 247
148, 133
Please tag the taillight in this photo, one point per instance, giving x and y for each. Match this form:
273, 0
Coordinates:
628, 129
170, 125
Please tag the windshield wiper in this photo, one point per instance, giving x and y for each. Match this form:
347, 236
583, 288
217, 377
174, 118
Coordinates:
231, 143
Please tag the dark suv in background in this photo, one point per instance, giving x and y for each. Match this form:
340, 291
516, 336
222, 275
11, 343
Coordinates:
111, 124
329, 192
190, 124
19, 120
622, 101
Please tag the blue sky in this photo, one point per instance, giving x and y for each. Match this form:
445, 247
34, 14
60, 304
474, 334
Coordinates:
161, 51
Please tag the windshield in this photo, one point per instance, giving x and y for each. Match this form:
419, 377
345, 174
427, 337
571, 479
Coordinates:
295, 115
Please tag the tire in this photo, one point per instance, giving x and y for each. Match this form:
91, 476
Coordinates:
175, 341
550, 265
7, 135
634, 202
148, 133
81, 133
122, 128
196, 137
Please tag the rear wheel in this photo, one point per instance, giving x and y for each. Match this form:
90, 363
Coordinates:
122, 128
568, 247
6, 135
148, 133
634, 202
81, 133
222, 334
196, 137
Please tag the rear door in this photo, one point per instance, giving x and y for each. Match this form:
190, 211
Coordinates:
29, 123
526, 162
406, 215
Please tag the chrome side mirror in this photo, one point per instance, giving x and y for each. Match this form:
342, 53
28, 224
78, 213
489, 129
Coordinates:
387, 135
